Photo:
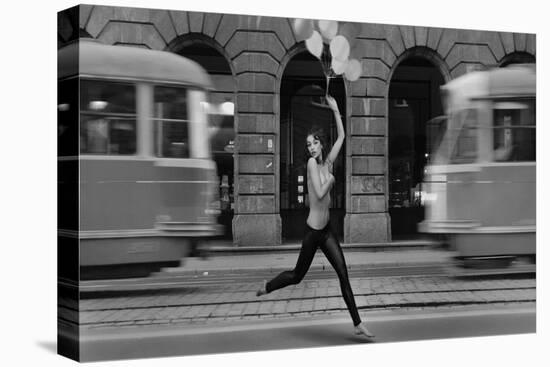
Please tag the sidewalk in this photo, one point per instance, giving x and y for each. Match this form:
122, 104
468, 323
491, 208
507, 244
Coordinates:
280, 261
314, 297
228, 258
230, 264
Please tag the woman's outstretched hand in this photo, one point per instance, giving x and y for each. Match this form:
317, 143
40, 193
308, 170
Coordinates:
331, 102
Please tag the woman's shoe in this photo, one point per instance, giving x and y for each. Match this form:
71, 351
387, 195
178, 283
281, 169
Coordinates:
262, 290
361, 329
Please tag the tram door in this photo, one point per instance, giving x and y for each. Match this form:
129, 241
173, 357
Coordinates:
301, 117
414, 99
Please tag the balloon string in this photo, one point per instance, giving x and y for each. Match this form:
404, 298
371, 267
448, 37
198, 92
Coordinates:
326, 67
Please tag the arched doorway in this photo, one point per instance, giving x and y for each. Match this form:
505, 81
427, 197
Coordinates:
303, 84
517, 58
414, 99
221, 118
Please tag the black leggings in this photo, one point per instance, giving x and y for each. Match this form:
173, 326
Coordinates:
325, 239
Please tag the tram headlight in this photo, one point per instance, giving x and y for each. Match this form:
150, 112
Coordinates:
428, 197
227, 108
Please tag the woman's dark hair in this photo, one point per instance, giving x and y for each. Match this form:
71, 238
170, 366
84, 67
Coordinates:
319, 134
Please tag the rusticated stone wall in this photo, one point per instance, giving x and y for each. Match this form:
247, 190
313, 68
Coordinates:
257, 49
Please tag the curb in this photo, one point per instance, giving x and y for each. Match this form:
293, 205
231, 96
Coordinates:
170, 272
221, 250
177, 279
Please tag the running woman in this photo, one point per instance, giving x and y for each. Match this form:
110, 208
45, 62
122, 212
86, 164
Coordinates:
318, 232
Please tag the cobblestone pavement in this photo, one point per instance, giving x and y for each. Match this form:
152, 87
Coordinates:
229, 303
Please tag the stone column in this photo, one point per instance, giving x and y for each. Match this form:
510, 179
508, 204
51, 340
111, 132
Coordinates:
257, 221
367, 219
256, 55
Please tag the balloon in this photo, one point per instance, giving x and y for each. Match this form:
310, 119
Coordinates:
339, 66
353, 70
314, 44
350, 31
339, 48
328, 28
303, 28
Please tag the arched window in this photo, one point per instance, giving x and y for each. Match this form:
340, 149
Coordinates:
303, 86
220, 107
414, 100
517, 58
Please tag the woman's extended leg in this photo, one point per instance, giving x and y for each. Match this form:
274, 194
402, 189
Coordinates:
332, 250
295, 276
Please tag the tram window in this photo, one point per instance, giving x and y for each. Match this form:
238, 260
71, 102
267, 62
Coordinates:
172, 139
436, 129
108, 118
171, 122
67, 118
101, 97
171, 103
514, 132
465, 149
107, 135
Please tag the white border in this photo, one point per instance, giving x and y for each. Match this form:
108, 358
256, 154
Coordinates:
29, 180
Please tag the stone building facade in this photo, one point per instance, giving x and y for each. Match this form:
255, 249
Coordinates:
257, 50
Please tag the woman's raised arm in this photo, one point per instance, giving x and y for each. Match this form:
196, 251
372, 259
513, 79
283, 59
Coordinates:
339, 128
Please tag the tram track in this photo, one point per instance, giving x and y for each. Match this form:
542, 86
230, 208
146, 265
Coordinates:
184, 279
220, 278
236, 276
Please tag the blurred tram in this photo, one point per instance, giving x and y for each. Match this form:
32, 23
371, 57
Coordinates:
132, 123
479, 187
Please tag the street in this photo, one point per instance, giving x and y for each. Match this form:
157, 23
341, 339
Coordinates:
188, 314
389, 326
